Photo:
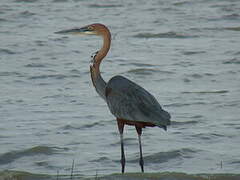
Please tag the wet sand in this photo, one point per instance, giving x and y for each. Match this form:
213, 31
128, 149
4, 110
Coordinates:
16, 175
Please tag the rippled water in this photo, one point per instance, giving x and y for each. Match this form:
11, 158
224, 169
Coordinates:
184, 52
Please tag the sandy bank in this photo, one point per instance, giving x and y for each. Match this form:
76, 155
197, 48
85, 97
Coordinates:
20, 175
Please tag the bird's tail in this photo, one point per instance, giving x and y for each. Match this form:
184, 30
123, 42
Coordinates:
165, 120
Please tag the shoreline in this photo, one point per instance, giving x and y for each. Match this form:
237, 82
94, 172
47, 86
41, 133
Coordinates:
16, 175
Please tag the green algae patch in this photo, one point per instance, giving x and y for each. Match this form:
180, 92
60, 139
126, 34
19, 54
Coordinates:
21, 175
169, 176
152, 176
221, 176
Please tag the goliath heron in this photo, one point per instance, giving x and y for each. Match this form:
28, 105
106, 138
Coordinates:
128, 102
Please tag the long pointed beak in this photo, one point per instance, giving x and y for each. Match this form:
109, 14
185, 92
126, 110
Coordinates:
83, 30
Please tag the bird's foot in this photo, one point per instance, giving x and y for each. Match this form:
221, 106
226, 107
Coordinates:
123, 164
141, 163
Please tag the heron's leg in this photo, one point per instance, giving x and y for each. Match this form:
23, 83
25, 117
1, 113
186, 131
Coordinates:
139, 131
120, 128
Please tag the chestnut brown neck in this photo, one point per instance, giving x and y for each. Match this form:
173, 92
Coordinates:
97, 79
103, 51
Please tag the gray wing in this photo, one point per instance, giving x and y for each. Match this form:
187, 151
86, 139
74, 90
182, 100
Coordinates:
129, 101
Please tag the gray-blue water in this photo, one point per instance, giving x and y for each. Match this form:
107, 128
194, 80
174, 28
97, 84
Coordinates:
185, 52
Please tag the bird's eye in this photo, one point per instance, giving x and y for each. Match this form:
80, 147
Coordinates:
90, 28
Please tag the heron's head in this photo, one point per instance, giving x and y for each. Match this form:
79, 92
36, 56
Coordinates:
93, 29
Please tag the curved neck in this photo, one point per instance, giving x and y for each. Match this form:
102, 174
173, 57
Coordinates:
97, 80
103, 51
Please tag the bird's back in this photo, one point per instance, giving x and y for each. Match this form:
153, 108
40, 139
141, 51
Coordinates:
129, 101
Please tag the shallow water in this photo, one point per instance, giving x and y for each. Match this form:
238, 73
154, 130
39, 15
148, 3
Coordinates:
186, 53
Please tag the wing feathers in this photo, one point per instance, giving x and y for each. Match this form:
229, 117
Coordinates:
129, 101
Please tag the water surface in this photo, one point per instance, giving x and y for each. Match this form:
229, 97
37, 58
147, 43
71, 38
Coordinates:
184, 52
